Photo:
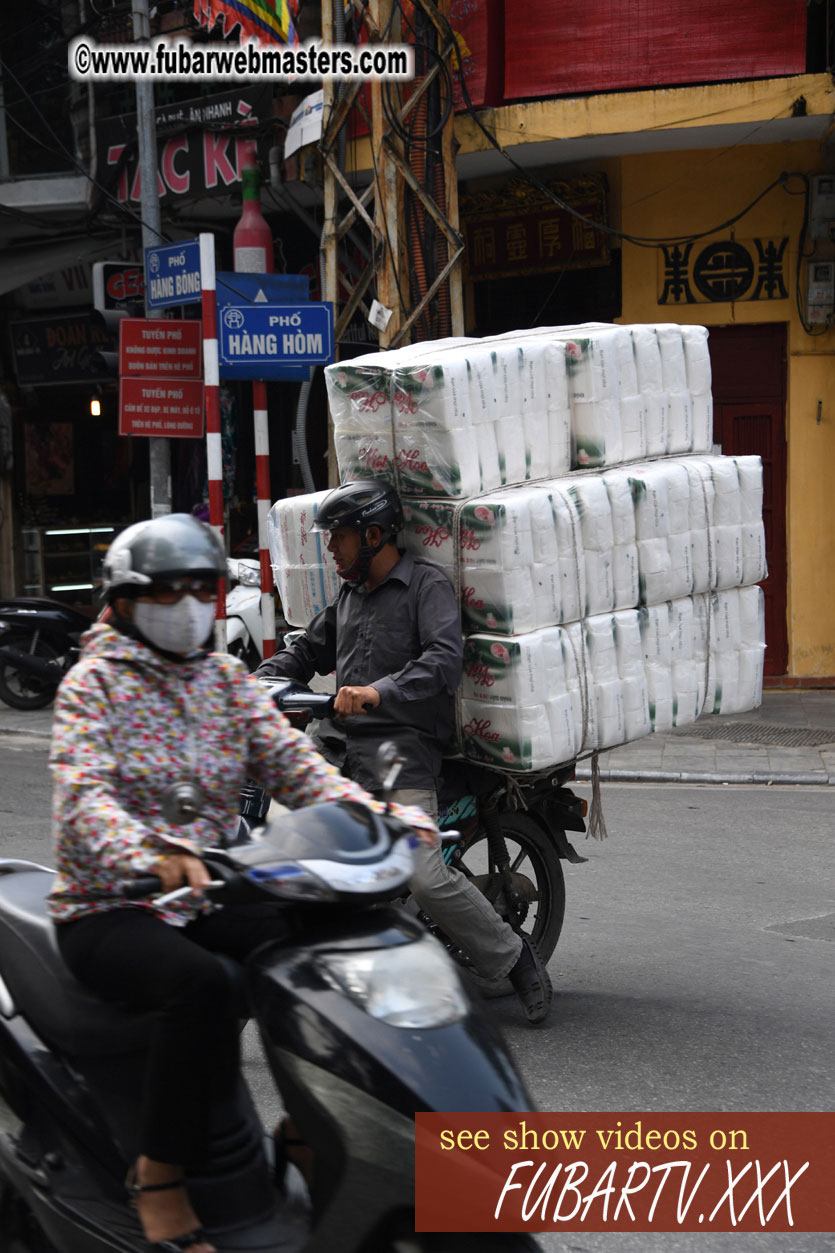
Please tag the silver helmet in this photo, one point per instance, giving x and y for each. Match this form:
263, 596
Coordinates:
168, 547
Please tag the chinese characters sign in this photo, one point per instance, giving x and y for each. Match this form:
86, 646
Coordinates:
519, 229
707, 271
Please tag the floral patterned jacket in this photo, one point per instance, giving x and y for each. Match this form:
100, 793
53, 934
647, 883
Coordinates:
128, 724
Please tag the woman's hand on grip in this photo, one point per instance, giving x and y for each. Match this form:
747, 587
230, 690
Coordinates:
176, 869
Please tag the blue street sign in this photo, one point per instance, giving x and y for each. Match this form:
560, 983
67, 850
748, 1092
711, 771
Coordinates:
234, 288
257, 339
172, 274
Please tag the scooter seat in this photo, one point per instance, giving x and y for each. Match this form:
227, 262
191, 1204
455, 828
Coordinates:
65, 1014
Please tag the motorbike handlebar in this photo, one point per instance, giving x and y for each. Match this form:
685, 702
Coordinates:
320, 704
142, 885
150, 885
294, 698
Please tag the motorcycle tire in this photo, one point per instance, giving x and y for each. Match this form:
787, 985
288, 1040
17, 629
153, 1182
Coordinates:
533, 855
22, 690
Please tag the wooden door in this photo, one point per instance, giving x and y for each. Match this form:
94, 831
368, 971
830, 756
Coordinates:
749, 399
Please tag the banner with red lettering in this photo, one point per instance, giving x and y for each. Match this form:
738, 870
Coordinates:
202, 145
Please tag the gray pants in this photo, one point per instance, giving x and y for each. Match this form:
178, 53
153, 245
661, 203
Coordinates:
455, 904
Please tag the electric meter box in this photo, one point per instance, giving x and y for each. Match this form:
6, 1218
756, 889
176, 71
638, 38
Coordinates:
820, 290
822, 206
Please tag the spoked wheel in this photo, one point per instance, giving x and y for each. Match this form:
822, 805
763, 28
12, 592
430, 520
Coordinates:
22, 690
534, 905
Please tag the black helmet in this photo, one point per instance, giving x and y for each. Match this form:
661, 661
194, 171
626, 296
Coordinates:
361, 503
161, 548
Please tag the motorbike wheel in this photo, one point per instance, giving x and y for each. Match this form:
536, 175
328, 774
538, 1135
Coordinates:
539, 908
22, 690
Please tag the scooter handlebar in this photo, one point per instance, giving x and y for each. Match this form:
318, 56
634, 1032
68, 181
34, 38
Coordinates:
142, 885
292, 697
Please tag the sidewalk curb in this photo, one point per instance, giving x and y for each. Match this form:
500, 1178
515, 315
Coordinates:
693, 776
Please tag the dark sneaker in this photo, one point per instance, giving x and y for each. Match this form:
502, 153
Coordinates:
531, 983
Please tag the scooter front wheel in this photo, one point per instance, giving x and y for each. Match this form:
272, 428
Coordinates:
20, 689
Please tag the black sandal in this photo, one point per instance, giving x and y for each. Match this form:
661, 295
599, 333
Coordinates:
174, 1244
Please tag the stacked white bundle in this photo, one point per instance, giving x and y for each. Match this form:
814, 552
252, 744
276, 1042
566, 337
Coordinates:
303, 569
470, 417
560, 550
521, 698
522, 564
698, 376
458, 417
531, 701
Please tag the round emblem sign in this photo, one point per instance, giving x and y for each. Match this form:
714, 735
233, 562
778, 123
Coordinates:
723, 271
233, 319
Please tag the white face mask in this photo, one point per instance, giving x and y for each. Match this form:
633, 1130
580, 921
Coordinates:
179, 628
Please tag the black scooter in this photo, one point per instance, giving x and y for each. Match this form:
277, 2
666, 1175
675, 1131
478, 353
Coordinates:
363, 1018
39, 641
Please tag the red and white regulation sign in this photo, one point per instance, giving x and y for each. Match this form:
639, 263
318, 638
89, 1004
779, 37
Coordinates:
170, 408
160, 348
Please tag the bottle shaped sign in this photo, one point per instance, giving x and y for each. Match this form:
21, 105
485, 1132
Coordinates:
252, 241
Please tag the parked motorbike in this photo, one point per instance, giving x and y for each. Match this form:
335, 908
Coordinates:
39, 641
509, 832
244, 628
363, 1018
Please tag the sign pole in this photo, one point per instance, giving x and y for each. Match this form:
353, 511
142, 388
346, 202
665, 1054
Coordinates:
252, 245
159, 452
262, 488
214, 451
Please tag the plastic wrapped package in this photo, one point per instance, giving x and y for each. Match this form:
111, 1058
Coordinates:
365, 454
654, 628
303, 569
673, 364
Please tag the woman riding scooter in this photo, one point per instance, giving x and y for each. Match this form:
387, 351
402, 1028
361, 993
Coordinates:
147, 706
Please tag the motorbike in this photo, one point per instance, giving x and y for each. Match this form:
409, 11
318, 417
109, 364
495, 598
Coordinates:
363, 1019
508, 833
244, 626
39, 641
244, 629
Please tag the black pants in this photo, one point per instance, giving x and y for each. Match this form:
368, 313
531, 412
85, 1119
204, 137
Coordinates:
129, 955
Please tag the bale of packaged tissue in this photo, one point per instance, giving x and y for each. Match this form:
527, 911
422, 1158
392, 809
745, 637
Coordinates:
303, 569
530, 701
555, 551
457, 417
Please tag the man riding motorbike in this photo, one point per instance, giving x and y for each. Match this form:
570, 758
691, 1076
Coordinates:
393, 635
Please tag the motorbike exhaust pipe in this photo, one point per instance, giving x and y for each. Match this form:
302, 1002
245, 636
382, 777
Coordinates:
52, 669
